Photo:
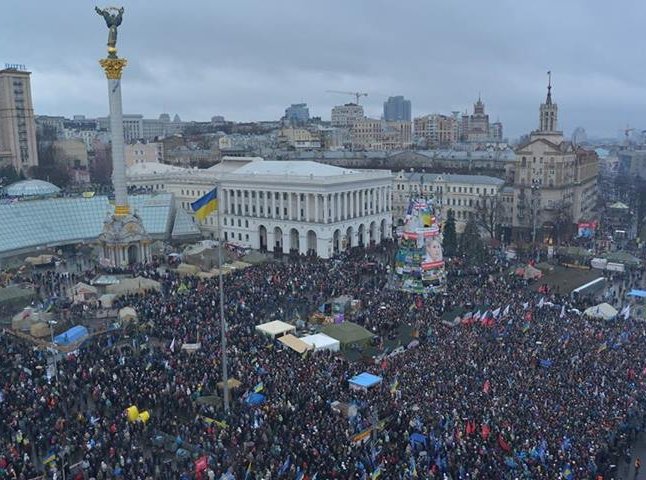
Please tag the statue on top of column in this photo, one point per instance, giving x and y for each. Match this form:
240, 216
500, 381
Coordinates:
113, 17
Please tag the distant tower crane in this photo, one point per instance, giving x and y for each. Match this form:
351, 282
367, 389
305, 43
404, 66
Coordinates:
357, 95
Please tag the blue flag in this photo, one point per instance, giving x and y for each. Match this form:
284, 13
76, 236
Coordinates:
567, 472
285, 466
566, 444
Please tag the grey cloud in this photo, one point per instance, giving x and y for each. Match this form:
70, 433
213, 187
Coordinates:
249, 59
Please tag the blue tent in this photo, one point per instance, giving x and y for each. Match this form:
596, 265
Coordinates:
418, 440
255, 399
73, 335
365, 380
637, 293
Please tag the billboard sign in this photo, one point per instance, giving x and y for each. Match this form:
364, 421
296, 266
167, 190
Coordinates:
419, 262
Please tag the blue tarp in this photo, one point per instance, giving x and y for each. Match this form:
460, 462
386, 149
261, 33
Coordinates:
74, 334
255, 399
418, 440
365, 380
637, 293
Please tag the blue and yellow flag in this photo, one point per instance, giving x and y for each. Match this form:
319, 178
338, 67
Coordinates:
205, 205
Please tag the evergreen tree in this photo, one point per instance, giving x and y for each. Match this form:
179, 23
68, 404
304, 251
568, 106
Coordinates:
9, 175
471, 246
450, 241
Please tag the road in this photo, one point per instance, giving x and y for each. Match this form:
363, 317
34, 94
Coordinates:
626, 471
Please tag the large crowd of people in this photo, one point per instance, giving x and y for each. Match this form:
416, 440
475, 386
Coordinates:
524, 387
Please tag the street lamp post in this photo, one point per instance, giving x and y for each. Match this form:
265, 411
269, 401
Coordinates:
54, 354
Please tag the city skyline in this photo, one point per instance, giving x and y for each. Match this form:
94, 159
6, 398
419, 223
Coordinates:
258, 60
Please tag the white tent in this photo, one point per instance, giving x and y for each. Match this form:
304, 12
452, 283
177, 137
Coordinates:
106, 300
127, 314
275, 329
321, 341
133, 285
44, 259
82, 292
294, 343
603, 311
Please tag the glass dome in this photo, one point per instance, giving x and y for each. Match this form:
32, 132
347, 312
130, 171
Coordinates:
31, 188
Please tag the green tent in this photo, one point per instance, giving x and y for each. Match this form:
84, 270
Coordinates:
621, 256
348, 333
13, 298
573, 251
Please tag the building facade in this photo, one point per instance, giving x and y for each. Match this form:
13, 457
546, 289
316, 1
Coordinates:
373, 134
136, 127
299, 138
476, 128
436, 130
306, 207
297, 113
152, 152
345, 116
555, 182
284, 206
397, 109
629, 162
461, 193
17, 123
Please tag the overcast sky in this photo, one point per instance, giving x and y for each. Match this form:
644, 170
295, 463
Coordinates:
249, 59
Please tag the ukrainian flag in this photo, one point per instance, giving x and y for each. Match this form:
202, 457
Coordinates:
205, 205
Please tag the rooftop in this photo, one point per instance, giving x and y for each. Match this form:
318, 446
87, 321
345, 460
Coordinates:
30, 225
32, 188
453, 178
148, 168
299, 168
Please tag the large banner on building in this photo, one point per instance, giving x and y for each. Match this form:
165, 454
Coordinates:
587, 229
419, 262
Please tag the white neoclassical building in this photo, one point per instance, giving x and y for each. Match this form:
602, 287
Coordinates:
306, 206
283, 205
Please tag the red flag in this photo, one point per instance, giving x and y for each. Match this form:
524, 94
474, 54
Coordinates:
487, 386
503, 443
471, 427
201, 465
485, 431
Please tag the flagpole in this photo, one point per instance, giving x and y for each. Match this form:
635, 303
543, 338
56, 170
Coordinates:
223, 323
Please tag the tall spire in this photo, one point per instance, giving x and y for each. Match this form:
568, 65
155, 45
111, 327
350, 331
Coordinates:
548, 111
548, 101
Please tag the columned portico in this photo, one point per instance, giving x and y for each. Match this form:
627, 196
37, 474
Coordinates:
305, 207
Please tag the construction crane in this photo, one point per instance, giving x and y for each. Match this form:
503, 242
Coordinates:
357, 95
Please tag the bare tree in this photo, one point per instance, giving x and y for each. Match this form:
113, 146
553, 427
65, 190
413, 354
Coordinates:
489, 211
562, 219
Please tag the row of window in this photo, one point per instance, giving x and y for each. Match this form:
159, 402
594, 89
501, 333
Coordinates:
440, 189
232, 222
232, 236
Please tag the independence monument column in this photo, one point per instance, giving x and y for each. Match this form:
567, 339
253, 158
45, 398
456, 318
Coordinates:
124, 238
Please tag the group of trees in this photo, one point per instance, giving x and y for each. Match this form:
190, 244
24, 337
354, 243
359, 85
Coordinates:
9, 175
469, 246
48, 169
